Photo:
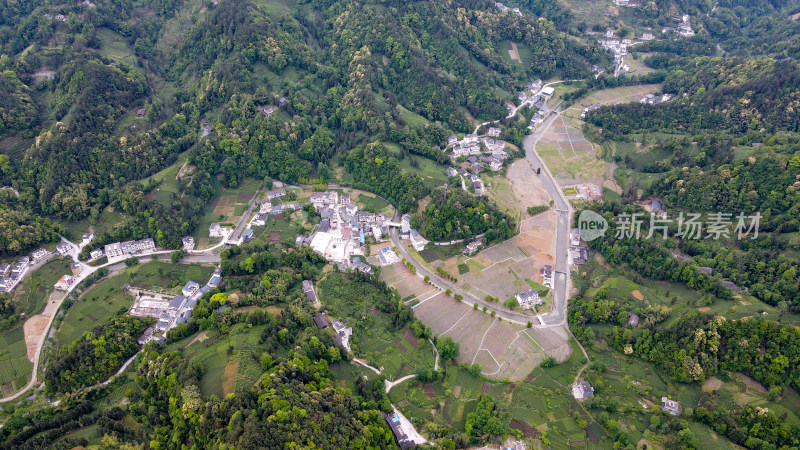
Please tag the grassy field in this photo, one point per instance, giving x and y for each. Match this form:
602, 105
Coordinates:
399, 352
108, 297
108, 220
114, 46
372, 203
31, 295
283, 230
636, 386
412, 119
678, 297
226, 208
431, 172
541, 401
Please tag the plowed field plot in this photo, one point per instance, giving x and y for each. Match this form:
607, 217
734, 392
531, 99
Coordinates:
567, 153
508, 268
613, 96
503, 350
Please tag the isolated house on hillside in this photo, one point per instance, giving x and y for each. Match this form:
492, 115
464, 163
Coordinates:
308, 290
321, 321
403, 442
671, 406
582, 389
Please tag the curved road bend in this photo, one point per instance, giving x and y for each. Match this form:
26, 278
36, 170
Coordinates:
197, 256
557, 316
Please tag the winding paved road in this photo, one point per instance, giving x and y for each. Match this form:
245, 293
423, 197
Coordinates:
557, 316
202, 256
561, 284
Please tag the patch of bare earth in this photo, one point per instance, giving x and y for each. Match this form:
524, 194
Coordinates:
751, 383
712, 384
34, 329
202, 335
526, 186
230, 376
514, 53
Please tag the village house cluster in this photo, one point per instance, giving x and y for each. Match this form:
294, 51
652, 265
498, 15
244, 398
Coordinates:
684, 28
342, 332
589, 109
169, 310
505, 9
536, 95
620, 49
489, 152
343, 228
652, 99
12, 275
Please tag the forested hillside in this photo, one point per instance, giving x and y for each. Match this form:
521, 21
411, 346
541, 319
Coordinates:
83, 120
732, 95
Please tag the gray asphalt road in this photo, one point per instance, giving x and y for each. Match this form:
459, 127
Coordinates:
441, 283
245, 217
563, 218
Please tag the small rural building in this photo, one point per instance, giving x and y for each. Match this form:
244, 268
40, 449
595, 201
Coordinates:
176, 302
96, 254
64, 282
215, 230
190, 288
188, 243
260, 220
400, 437
633, 320
63, 248
582, 389
276, 194
321, 321
472, 248
40, 254
671, 406
308, 289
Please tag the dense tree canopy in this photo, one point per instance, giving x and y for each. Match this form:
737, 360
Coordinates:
460, 216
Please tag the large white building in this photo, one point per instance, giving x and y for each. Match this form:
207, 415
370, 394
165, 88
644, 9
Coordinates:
129, 247
215, 230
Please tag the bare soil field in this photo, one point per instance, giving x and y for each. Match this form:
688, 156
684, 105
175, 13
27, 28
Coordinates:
514, 53
34, 328
503, 270
225, 207
502, 349
568, 155
519, 189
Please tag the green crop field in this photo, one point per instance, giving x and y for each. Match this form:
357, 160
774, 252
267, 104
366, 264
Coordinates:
374, 204
227, 207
